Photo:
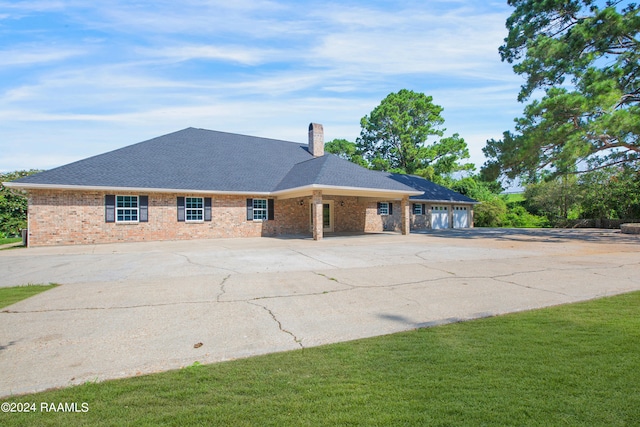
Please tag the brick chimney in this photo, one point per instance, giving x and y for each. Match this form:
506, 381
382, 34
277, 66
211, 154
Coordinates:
316, 139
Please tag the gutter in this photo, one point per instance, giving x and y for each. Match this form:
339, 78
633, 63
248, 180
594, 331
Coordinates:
27, 186
312, 187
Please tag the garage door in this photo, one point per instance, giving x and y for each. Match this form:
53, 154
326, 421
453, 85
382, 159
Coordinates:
460, 217
439, 217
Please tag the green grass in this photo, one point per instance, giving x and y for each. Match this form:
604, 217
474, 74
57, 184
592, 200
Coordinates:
14, 294
574, 365
7, 240
515, 197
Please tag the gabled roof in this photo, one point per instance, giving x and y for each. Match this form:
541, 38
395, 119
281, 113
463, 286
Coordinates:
200, 160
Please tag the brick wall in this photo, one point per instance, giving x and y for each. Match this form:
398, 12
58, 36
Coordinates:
78, 217
375, 222
348, 214
70, 217
420, 222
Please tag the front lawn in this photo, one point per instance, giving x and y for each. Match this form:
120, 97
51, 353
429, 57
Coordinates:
574, 365
14, 294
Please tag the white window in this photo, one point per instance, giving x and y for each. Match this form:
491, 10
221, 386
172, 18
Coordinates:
194, 208
417, 209
127, 208
384, 208
259, 209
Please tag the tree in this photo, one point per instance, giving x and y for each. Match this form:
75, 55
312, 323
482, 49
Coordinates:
395, 137
611, 193
557, 198
13, 206
346, 150
584, 57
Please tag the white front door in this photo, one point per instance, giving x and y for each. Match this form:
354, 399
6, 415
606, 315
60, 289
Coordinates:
439, 217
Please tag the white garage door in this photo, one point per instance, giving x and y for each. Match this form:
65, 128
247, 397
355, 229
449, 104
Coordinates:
439, 217
460, 217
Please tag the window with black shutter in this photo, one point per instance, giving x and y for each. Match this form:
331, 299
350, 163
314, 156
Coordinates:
110, 208
384, 208
260, 209
249, 209
207, 208
181, 213
143, 208
270, 210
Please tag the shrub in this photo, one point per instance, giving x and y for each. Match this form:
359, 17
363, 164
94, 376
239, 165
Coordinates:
518, 216
491, 213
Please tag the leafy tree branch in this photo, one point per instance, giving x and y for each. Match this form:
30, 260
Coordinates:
581, 61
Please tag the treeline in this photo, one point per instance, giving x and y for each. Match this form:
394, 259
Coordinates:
609, 193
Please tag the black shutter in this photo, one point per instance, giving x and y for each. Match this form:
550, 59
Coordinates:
379, 208
180, 208
143, 206
390, 208
270, 210
249, 209
207, 208
110, 208
424, 209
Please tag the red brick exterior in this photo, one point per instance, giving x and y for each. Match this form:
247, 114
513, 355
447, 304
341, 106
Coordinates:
58, 217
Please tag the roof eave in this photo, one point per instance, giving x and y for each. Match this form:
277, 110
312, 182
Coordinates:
464, 202
290, 192
32, 186
344, 191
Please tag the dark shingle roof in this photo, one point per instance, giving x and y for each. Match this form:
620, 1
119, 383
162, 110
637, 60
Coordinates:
194, 159
205, 160
431, 190
331, 170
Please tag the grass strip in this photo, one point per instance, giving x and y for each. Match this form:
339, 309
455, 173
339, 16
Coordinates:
14, 294
6, 241
567, 365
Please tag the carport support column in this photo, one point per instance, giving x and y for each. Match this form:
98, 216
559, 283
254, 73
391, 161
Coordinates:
316, 214
405, 226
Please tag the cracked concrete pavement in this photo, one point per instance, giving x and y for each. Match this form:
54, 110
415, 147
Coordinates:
136, 308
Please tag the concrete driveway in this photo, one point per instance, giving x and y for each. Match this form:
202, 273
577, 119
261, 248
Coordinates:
131, 309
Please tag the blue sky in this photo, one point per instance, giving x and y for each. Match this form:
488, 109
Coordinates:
80, 78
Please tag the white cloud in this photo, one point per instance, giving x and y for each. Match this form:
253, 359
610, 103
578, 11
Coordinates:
240, 54
257, 67
412, 41
26, 56
30, 6
188, 17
